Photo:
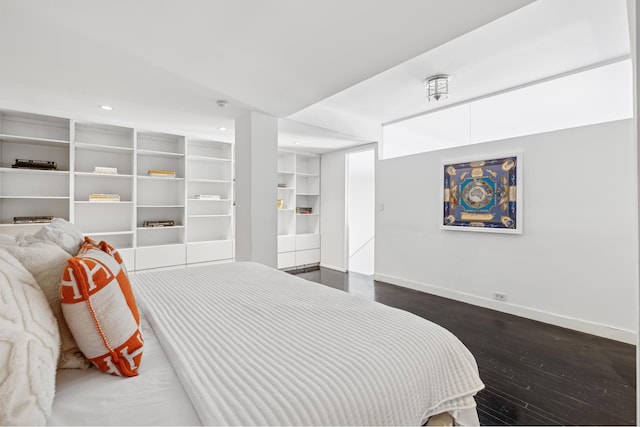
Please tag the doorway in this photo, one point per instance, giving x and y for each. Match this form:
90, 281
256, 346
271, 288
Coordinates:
361, 211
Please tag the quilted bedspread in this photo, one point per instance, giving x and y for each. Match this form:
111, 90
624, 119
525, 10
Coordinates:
255, 346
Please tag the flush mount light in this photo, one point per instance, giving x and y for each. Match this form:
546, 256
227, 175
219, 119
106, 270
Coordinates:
222, 103
437, 87
106, 107
296, 143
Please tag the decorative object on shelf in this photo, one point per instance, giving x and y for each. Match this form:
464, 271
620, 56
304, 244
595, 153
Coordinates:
483, 195
437, 87
159, 223
280, 202
208, 196
160, 172
304, 210
101, 197
43, 219
35, 164
105, 170
282, 185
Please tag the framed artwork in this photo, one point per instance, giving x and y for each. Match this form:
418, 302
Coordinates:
483, 195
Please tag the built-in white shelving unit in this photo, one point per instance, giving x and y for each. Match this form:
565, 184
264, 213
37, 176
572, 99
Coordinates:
33, 137
298, 192
209, 200
202, 229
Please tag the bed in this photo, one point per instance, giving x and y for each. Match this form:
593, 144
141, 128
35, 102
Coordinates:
244, 344
228, 344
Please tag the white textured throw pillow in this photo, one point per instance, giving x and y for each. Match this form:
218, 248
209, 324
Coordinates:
46, 262
62, 233
29, 346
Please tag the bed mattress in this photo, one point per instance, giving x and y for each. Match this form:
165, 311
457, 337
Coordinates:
256, 346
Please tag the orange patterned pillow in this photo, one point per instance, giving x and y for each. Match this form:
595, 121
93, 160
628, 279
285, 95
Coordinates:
99, 307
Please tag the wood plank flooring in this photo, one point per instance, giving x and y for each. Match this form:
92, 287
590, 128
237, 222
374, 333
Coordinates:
534, 373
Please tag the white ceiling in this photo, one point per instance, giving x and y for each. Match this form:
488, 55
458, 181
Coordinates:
343, 66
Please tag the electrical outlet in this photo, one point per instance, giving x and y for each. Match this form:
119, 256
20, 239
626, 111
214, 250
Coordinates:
499, 296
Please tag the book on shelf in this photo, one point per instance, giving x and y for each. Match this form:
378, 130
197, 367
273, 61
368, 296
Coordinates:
43, 219
282, 185
35, 164
160, 172
304, 210
158, 223
101, 197
208, 196
105, 170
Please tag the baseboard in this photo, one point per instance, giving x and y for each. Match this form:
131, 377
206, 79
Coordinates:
333, 267
617, 334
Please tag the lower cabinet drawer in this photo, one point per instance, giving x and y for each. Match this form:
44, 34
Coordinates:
160, 256
286, 259
310, 256
209, 251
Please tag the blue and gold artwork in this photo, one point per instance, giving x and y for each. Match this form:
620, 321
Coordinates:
481, 194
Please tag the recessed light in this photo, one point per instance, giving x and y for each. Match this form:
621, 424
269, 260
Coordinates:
222, 128
296, 143
106, 107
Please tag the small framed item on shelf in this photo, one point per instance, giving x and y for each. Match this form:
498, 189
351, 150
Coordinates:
35, 164
159, 223
163, 173
32, 219
304, 210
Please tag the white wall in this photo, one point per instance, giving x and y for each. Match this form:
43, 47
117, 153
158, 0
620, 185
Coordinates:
333, 228
360, 211
575, 265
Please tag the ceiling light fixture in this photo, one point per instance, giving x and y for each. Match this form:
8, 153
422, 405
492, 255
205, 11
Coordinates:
222, 128
437, 87
222, 103
106, 107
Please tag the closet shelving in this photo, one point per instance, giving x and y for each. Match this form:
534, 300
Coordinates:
209, 200
104, 146
203, 227
298, 191
34, 137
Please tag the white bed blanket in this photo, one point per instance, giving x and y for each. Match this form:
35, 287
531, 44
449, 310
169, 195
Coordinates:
255, 346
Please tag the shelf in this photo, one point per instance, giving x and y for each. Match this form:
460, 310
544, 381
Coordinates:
33, 171
286, 188
108, 233
286, 173
103, 175
161, 206
311, 214
209, 159
209, 200
310, 175
173, 227
32, 224
285, 210
159, 178
36, 197
212, 181
106, 202
105, 148
159, 154
308, 194
34, 141
209, 216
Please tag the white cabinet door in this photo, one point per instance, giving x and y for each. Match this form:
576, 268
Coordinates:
286, 243
209, 251
286, 260
307, 241
310, 256
160, 256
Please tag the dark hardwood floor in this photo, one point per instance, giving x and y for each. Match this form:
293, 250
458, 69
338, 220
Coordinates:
534, 373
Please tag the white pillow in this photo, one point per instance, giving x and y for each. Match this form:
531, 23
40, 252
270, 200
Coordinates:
46, 261
62, 233
29, 346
